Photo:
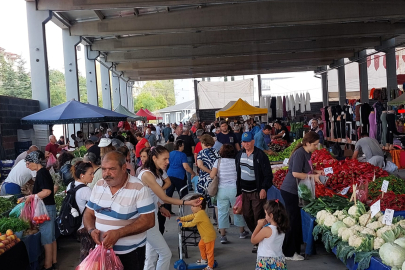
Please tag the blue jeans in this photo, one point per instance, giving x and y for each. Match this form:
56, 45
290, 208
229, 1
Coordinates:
10, 189
225, 198
47, 228
190, 162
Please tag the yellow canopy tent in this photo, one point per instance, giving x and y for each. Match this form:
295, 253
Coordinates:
240, 107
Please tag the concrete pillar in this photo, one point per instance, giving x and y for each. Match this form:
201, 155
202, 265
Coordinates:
70, 59
124, 96
129, 95
91, 79
115, 90
105, 83
363, 76
36, 21
259, 86
391, 66
325, 91
123, 88
341, 82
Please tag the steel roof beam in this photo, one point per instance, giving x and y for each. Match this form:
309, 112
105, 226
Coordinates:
201, 63
250, 36
66, 5
240, 50
245, 16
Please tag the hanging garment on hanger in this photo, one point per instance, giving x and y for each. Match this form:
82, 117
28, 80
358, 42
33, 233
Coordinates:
391, 127
302, 107
287, 103
378, 108
284, 107
327, 121
308, 102
332, 123
268, 103
292, 105
323, 120
384, 128
273, 106
279, 107
297, 102
373, 125
365, 113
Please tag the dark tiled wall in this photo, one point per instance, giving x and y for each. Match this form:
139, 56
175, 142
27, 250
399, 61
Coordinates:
11, 111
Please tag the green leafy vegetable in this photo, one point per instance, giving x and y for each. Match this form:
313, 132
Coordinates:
304, 192
14, 224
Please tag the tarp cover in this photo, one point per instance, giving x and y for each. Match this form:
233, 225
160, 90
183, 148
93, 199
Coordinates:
240, 107
398, 101
212, 95
72, 112
146, 110
131, 116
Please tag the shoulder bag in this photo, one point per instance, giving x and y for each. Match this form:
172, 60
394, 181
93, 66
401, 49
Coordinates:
213, 186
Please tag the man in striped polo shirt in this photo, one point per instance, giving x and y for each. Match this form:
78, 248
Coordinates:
254, 178
119, 212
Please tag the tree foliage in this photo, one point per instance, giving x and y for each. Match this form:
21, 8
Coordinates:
164, 88
14, 80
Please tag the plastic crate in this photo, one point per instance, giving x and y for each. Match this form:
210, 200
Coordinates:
20, 147
6, 163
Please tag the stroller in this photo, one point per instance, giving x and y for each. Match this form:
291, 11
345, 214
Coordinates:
188, 237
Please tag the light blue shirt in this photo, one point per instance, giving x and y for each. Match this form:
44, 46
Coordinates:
259, 141
217, 145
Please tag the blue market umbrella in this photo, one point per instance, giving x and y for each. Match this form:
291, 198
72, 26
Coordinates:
72, 112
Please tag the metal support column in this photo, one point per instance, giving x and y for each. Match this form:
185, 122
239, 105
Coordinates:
325, 91
116, 90
363, 76
123, 88
341, 82
91, 77
105, 83
36, 21
124, 95
391, 66
259, 86
70, 59
196, 100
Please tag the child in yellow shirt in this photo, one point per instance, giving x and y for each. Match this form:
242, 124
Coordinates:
207, 232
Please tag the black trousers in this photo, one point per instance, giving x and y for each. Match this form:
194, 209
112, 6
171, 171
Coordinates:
293, 237
135, 260
252, 209
177, 184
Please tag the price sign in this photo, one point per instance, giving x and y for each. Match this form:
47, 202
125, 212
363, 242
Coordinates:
345, 190
328, 170
384, 187
388, 216
375, 208
285, 163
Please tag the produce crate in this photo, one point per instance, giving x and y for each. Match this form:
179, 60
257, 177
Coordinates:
5, 168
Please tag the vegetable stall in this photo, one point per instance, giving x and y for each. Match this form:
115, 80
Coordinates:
347, 228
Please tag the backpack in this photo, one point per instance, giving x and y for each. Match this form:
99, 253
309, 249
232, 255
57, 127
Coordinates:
70, 218
65, 173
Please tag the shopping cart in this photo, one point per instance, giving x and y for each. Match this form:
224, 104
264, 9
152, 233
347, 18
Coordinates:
188, 237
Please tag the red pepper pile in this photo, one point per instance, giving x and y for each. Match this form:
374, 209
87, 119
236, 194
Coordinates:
322, 191
391, 201
322, 159
279, 142
278, 177
349, 170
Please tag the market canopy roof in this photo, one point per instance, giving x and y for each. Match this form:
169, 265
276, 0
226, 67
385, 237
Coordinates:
148, 41
398, 101
148, 116
146, 110
240, 107
72, 112
131, 116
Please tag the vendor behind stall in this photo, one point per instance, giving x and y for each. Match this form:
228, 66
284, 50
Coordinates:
315, 128
260, 141
281, 132
372, 151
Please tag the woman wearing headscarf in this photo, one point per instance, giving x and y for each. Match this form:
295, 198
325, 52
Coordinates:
43, 189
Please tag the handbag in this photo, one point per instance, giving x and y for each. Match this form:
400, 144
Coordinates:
348, 152
213, 186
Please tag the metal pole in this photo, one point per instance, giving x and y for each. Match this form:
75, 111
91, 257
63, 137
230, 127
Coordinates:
391, 66
259, 87
325, 91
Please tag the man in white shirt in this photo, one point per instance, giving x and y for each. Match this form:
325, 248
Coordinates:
17, 178
24, 154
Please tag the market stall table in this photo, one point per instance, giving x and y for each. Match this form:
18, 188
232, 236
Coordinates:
375, 263
34, 249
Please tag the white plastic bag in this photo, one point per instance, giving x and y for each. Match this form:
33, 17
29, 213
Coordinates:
306, 190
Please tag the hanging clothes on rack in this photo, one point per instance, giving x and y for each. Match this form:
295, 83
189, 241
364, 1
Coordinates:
307, 102
391, 127
332, 123
269, 111
384, 128
324, 121
287, 103
365, 113
273, 107
302, 99
284, 107
327, 122
279, 113
373, 125
378, 108
297, 102
292, 105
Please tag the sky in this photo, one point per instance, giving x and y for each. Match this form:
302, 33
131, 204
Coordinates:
14, 38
